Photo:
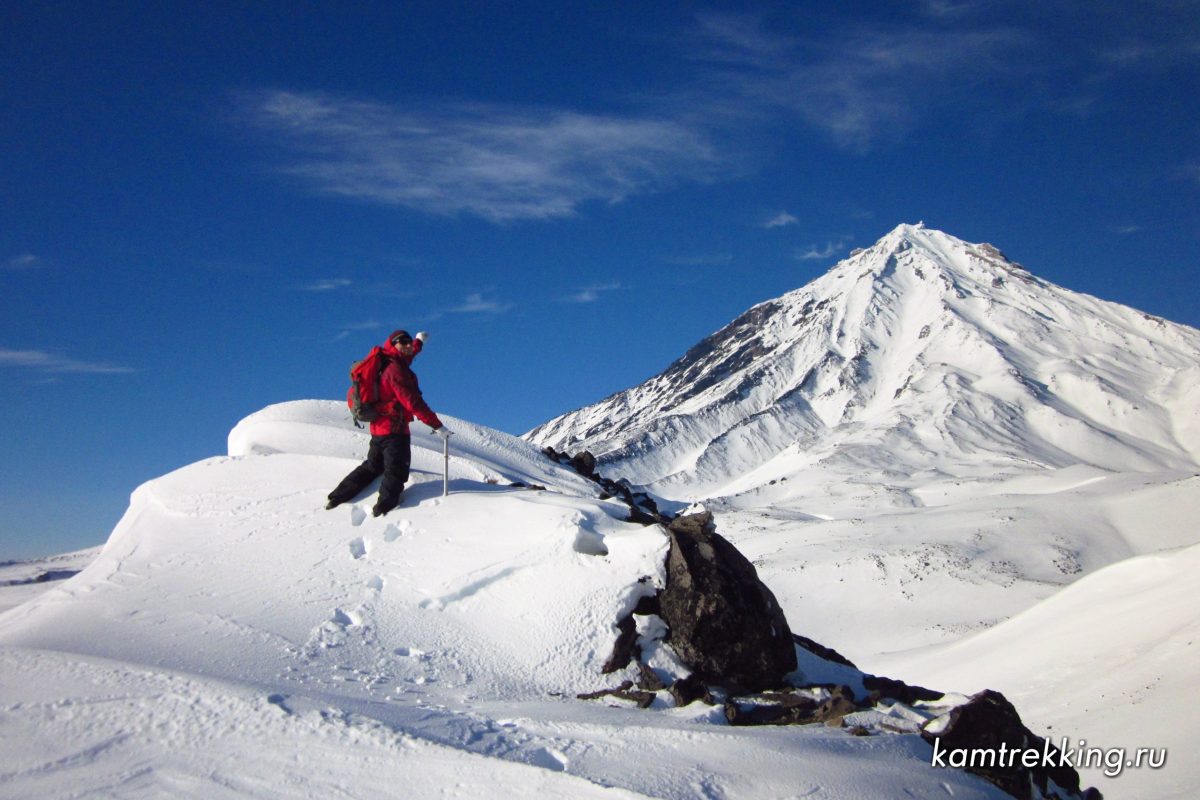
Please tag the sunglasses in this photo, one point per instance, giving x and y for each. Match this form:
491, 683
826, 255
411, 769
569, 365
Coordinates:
401, 341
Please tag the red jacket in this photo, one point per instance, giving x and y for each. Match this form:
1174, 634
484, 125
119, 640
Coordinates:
400, 398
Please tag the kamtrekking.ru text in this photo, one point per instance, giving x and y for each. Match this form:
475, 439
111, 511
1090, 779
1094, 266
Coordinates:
1113, 760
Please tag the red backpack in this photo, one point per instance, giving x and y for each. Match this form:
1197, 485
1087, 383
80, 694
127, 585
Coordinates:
364, 386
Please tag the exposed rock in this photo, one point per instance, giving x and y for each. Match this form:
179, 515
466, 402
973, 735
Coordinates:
648, 679
623, 649
725, 624
789, 708
688, 690
827, 653
898, 690
981, 731
647, 604
585, 464
623, 692
642, 508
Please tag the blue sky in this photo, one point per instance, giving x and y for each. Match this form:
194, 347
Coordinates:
206, 208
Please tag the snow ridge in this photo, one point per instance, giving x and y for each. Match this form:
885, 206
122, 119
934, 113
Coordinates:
235, 639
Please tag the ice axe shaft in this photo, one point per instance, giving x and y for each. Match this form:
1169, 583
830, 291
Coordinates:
446, 467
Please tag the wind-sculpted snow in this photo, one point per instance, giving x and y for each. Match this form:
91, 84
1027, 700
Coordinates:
235, 639
481, 454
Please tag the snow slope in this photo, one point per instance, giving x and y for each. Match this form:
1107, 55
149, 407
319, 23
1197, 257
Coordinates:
234, 639
930, 440
1116, 646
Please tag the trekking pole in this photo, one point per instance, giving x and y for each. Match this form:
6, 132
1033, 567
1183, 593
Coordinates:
446, 468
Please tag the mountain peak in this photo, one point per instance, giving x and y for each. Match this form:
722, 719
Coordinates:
935, 244
923, 352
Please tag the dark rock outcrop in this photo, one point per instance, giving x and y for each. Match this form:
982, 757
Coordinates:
820, 650
725, 624
979, 733
790, 708
642, 508
899, 690
686, 691
623, 692
624, 648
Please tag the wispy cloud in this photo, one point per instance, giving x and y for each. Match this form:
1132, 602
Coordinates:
818, 253
591, 294
476, 303
858, 85
1141, 51
41, 361
500, 163
953, 9
780, 220
22, 262
326, 285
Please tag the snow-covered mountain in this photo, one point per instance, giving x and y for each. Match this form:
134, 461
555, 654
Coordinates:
921, 355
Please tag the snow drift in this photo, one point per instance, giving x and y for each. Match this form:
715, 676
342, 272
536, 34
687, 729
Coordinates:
235, 639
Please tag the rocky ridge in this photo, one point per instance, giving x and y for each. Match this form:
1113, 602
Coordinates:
730, 645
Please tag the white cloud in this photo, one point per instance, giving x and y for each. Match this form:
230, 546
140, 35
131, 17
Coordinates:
590, 294
41, 361
500, 163
475, 303
818, 253
21, 262
781, 220
326, 285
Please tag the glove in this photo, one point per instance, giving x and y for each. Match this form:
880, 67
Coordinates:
443, 432
422, 336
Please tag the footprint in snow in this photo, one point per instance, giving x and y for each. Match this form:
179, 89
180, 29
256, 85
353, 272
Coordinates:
590, 543
375, 584
345, 619
357, 516
549, 758
395, 531
409, 652
280, 701
358, 548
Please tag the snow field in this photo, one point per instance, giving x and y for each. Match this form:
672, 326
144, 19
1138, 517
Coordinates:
234, 639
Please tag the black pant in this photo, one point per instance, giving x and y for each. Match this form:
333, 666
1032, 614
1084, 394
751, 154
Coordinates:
389, 456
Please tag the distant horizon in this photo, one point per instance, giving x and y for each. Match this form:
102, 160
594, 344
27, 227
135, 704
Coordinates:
212, 209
